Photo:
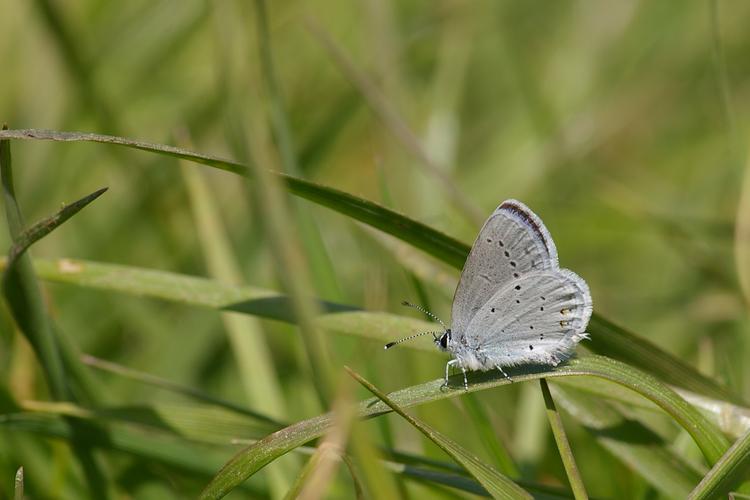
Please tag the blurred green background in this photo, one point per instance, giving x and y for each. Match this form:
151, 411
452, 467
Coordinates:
622, 124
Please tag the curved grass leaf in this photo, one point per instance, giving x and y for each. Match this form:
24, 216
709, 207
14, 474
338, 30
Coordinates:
498, 485
730, 470
606, 338
711, 442
420, 235
630, 441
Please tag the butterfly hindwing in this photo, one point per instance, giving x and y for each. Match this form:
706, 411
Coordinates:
538, 318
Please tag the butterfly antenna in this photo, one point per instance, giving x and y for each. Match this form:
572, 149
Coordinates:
391, 344
425, 311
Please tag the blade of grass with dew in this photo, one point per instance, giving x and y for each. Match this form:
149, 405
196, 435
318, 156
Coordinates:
563, 446
254, 362
497, 484
606, 337
727, 473
708, 438
637, 446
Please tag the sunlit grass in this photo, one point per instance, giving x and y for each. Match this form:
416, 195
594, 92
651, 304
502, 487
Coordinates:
222, 304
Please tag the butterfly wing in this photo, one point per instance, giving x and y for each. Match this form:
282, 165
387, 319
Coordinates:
538, 318
512, 243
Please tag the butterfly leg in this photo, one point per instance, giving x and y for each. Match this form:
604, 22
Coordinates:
504, 374
447, 368
466, 382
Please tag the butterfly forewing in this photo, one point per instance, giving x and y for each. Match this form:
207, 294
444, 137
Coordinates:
512, 243
538, 318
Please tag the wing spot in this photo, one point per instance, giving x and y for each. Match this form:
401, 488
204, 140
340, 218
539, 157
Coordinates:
518, 301
492, 310
541, 337
518, 287
489, 240
531, 347
513, 264
531, 327
541, 308
564, 311
516, 275
500, 243
543, 297
507, 254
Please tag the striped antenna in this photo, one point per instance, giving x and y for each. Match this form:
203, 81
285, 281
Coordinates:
391, 344
425, 311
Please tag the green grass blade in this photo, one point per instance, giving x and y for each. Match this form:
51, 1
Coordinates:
728, 472
18, 485
606, 338
147, 378
245, 334
419, 235
153, 446
630, 441
23, 295
193, 422
489, 437
566, 453
42, 228
711, 442
497, 484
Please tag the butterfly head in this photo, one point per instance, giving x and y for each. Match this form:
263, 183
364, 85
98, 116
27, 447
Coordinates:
442, 341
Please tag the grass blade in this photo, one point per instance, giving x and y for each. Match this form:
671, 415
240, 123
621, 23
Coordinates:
18, 485
162, 383
566, 453
727, 472
711, 442
498, 485
419, 235
631, 442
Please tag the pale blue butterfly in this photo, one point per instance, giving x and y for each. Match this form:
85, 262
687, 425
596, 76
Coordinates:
513, 304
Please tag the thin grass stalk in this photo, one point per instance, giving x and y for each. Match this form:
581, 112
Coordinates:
258, 375
563, 446
730, 470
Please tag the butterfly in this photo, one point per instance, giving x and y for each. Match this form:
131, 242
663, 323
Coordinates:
513, 305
